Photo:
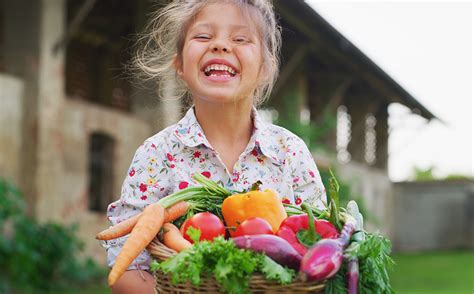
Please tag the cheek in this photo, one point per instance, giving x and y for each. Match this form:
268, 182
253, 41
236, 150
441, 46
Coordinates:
191, 56
251, 59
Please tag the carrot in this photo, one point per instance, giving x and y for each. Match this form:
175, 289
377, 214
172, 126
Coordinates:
119, 230
148, 225
173, 238
126, 226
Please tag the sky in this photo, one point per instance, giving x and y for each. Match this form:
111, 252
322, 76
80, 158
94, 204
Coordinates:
426, 47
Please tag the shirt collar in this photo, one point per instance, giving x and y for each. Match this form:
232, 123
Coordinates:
262, 139
189, 132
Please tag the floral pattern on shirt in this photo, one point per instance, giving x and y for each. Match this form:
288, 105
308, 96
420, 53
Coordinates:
166, 162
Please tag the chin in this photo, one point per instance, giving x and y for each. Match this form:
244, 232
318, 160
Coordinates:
221, 98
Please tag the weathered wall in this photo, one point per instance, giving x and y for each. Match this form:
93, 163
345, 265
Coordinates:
11, 98
375, 188
81, 119
433, 215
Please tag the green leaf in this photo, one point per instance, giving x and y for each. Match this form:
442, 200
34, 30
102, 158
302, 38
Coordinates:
194, 234
333, 189
274, 271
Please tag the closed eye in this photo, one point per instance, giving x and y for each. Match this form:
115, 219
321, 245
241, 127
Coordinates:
241, 40
203, 37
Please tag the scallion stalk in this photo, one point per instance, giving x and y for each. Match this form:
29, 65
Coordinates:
210, 192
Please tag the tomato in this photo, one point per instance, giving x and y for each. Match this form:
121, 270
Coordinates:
253, 226
209, 224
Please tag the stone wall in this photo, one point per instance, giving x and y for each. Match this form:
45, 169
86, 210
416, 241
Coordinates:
11, 99
433, 215
81, 119
375, 189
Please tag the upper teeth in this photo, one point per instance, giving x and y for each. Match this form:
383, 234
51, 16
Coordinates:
219, 67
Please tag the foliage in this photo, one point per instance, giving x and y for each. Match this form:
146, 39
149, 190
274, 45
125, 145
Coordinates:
40, 256
312, 132
420, 174
231, 267
375, 263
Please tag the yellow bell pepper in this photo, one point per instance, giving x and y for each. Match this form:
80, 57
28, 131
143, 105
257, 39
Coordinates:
264, 204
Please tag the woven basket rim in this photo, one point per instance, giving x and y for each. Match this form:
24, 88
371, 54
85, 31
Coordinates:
258, 282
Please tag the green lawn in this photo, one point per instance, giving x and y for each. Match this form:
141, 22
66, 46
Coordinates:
438, 272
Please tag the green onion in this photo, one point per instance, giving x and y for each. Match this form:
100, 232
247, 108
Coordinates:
210, 193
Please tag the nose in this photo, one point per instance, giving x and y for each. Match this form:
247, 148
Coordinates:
217, 49
220, 46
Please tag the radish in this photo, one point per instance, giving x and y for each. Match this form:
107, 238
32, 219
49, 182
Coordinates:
324, 259
273, 246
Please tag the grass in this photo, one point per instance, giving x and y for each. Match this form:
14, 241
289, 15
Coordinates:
437, 272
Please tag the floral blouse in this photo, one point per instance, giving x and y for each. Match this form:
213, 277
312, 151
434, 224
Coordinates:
166, 162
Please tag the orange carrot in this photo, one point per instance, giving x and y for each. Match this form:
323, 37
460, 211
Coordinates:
173, 239
126, 226
175, 211
148, 225
119, 230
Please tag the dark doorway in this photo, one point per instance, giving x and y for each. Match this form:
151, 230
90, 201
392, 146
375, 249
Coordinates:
101, 157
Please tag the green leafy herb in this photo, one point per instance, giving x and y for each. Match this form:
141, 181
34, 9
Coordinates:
274, 271
337, 284
230, 266
194, 234
374, 263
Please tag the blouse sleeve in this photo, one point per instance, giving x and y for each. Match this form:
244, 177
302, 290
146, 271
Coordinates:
307, 183
144, 184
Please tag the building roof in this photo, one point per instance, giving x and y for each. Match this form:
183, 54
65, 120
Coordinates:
327, 41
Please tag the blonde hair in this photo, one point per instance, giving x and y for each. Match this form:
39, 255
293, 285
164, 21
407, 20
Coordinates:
164, 39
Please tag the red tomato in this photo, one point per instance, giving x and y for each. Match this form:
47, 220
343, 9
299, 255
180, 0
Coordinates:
253, 226
209, 224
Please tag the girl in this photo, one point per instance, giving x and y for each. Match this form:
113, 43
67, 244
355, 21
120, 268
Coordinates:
224, 56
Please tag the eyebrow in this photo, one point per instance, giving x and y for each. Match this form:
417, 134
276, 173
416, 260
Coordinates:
208, 25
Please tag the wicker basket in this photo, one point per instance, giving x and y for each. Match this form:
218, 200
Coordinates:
258, 283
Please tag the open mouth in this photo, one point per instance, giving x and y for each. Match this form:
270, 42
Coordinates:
219, 70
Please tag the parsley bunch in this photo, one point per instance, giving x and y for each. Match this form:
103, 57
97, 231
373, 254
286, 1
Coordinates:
230, 266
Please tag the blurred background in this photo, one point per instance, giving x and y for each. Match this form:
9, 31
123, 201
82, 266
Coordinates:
380, 91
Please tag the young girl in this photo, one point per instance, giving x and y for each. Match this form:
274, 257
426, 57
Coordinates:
224, 56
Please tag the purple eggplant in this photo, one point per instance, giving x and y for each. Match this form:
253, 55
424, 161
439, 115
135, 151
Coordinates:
353, 276
324, 259
353, 262
273, 246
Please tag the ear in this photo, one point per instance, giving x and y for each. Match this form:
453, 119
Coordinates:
178, 65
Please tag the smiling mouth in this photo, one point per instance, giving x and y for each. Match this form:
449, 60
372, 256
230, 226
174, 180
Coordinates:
219, 70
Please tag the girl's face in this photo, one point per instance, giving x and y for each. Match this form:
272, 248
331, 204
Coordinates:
221, 57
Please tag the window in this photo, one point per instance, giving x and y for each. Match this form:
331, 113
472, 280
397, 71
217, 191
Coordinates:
343, 133
101, 151
370, 139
